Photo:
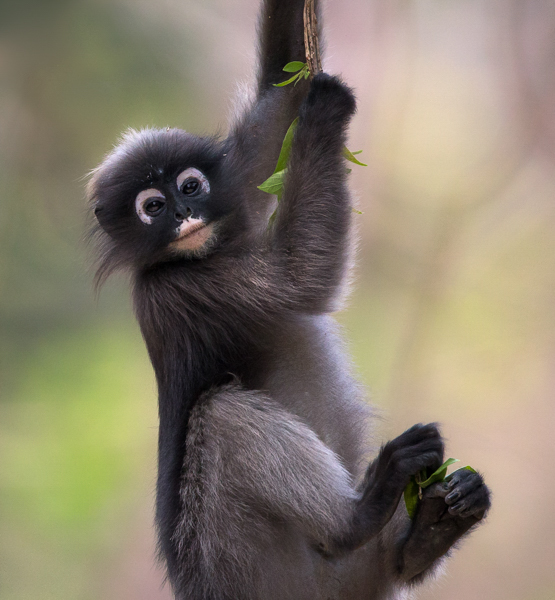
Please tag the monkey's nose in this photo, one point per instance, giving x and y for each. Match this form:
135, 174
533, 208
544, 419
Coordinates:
182, 217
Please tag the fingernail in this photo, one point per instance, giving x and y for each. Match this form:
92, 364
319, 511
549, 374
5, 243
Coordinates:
453, 496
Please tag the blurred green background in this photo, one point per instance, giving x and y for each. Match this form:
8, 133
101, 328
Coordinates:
452, 318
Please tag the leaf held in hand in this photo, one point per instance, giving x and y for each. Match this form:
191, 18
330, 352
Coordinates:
467, 468
414, 488
411, 497
438, 474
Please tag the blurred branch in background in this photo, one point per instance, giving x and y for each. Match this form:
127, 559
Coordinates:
452, 319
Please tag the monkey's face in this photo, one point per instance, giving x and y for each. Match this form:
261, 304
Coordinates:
179, 212
159, 195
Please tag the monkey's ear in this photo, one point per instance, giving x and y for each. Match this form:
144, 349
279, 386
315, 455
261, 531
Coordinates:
101, 215
98, 210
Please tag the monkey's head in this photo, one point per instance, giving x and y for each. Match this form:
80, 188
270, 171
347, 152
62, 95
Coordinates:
161, 195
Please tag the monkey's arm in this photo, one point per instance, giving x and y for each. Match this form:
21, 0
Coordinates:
313, 218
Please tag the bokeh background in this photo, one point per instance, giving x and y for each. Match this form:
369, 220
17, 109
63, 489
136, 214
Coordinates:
452, 318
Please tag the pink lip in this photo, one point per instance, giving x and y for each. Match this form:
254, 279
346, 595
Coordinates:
190, 231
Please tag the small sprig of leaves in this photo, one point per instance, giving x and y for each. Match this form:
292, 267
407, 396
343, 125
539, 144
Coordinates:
413, 491
299, 68
351, 157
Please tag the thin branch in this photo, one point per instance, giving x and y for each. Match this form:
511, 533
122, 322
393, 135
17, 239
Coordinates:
311, 45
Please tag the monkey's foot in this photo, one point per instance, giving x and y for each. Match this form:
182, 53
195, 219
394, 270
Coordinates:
447, 511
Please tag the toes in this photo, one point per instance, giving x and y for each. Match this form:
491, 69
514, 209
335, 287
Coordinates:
461, 476
462, 485
466, 494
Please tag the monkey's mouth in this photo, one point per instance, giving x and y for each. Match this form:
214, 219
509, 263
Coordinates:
193, 234
187, 228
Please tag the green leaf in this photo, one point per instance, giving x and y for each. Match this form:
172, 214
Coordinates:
294, 66
286, 147
284, 83
467, 468
351, 156
358, 212
416, 484
411, 497
274, 183
304, 73
438, 474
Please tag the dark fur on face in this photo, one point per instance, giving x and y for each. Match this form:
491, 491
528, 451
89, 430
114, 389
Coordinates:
264, 489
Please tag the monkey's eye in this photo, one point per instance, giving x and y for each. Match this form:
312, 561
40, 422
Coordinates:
192, 181
190, 186
148, 204
153, 207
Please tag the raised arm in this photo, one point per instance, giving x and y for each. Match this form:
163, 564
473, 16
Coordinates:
312, 224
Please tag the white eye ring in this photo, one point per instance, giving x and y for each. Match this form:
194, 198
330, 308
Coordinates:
192, 172
142, 198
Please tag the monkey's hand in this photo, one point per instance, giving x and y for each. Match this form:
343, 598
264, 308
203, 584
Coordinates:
418, 448
446, 512
329, 102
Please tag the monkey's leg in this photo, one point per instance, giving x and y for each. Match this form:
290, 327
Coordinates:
448, 510
259, 490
